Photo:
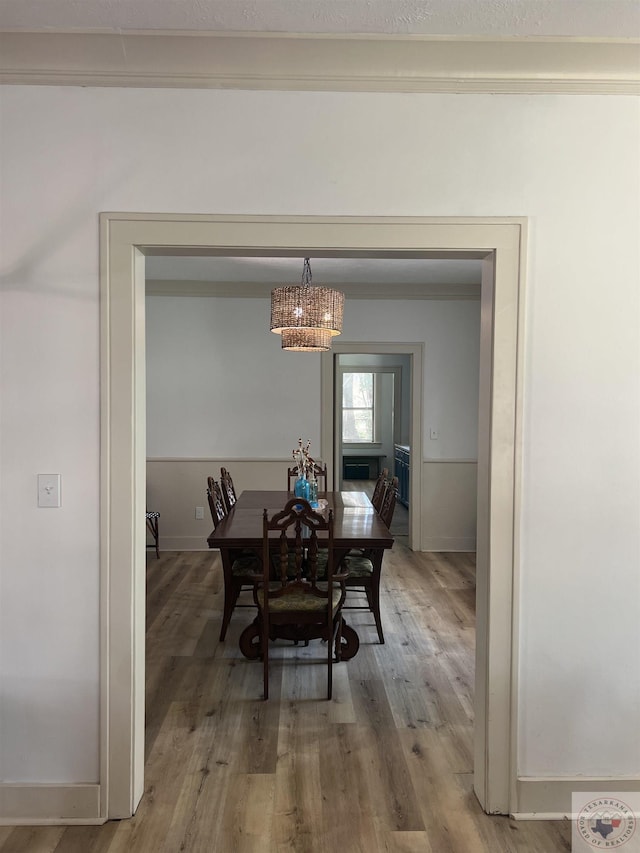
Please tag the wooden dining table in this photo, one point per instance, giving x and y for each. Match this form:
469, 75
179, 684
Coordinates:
356, 524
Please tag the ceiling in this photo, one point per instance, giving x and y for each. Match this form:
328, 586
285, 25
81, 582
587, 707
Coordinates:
490, 18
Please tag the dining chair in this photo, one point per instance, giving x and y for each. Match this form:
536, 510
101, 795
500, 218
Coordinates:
379, 489
291, 604
153, 528
216, 502
389, 502
228, 489
240, 570
365, 567
319, 471
377, 497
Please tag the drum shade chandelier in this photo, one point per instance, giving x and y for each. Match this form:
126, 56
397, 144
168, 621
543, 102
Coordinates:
306, 317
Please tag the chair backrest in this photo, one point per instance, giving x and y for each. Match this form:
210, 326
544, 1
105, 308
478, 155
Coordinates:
216, 503
294, 554
379, 489
320, 473
389, 503
228, 490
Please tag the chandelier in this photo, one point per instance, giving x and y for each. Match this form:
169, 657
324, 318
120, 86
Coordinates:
306, 317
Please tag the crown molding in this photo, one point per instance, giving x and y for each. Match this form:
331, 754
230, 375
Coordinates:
352, 290
341, 63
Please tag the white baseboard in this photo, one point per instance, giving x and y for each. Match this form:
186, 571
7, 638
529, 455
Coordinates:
183, 543
25, 804
443, 543
542, 798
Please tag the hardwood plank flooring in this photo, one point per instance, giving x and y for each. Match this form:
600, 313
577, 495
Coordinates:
386, 767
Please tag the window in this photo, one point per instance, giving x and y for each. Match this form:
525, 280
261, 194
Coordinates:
358, 402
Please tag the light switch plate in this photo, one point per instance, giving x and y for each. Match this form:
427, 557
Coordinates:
49, 490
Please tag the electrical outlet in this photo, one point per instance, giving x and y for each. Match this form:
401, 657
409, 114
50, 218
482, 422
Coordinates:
49, 491
199, 513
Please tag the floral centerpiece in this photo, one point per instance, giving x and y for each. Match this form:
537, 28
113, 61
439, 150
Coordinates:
304, 462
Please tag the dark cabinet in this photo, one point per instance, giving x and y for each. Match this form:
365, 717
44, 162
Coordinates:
361, 467
354, 469
402, 465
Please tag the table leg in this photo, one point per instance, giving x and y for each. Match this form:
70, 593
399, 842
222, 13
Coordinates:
229, 591
349, 642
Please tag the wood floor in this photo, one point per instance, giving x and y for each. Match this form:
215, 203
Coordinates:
386, 766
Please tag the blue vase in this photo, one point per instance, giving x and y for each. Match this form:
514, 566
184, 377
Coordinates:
301, 488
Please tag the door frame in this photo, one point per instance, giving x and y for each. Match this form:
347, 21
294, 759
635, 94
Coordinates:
330, 448
125, 238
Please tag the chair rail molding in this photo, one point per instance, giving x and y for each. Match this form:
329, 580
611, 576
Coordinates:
321, 62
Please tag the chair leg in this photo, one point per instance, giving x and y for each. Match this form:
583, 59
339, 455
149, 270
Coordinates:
330, 651
373, 597
338, 641
265, 657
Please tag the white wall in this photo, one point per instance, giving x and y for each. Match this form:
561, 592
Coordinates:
568, 163
219, 384
213, 371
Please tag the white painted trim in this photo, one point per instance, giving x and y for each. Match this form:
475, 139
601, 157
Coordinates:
443, 543
461, 461
500, 240
139, 540
517, 497
23, 804
498, 513
122, 522
549, 798
320, 62
105, 519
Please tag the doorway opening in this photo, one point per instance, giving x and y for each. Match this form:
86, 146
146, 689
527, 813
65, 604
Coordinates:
125, 239
401, 365
372, 418
369, 416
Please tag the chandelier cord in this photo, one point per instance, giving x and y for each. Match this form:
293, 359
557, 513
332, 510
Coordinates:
306, 273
